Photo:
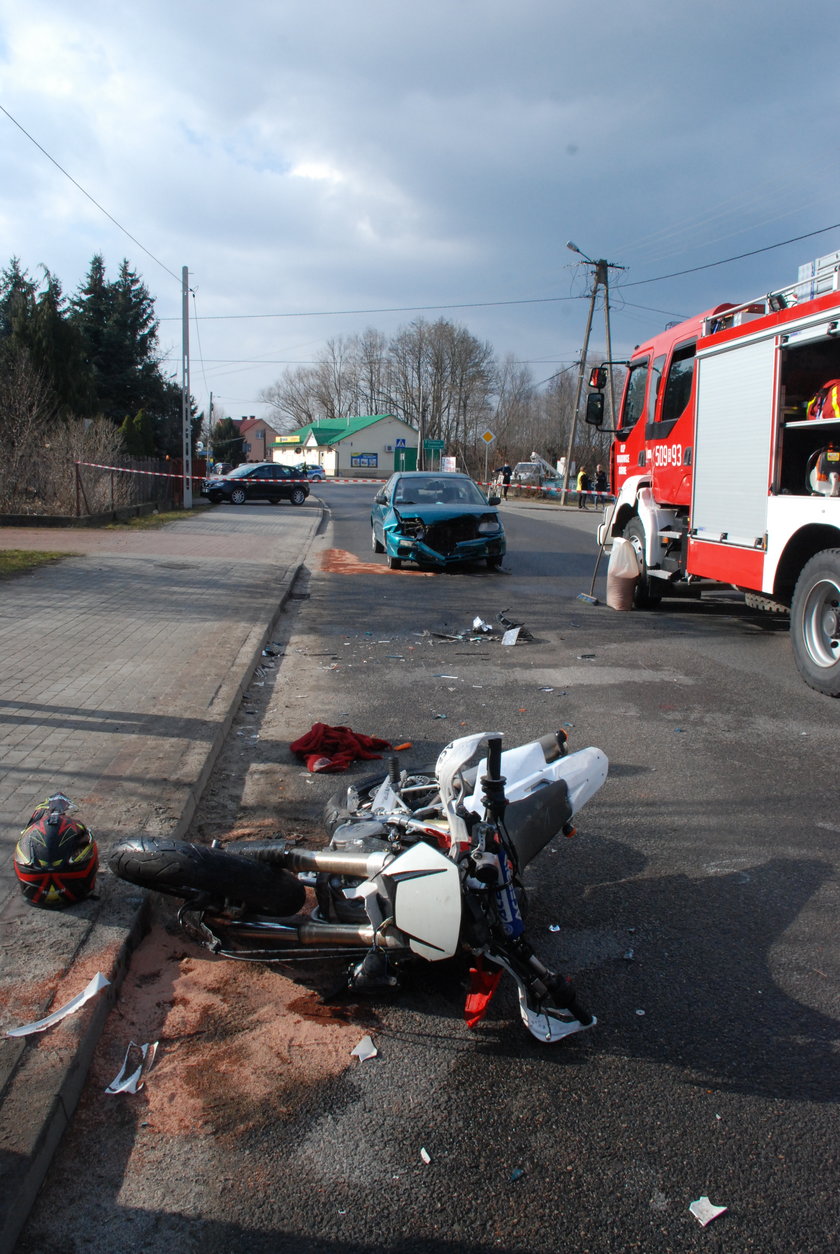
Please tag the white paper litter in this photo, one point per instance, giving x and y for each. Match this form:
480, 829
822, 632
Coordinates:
126, 1081
95, 986
705, 1211
365, 1049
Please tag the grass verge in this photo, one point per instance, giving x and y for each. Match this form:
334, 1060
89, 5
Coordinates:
18, 561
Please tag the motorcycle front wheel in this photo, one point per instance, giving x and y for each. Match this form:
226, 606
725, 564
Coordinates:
179, 869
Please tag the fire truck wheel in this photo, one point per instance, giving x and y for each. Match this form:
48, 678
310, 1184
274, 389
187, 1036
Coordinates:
646, 595
815, 622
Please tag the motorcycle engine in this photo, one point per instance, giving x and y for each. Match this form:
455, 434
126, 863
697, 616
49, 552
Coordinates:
366, 836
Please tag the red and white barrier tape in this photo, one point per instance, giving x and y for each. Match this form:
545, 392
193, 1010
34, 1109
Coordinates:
163, 474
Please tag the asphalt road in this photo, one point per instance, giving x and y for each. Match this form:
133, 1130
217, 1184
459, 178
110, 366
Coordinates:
698, 906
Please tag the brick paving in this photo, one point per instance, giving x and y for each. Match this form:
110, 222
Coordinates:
120, 669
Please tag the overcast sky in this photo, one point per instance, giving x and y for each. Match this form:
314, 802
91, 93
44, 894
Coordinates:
322, 166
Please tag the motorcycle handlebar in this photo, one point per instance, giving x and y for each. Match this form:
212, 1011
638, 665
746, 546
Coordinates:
494, 757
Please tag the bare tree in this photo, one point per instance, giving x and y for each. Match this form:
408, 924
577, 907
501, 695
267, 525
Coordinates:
27, 411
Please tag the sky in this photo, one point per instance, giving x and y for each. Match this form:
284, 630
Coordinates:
325, 166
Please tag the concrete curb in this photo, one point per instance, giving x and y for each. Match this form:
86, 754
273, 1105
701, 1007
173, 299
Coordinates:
45, 1083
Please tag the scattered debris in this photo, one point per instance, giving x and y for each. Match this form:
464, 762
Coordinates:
364, 1050
629, 955
400, 748
705, 1211
126, 1081
425, 1155
509, 623
554, 927
95, 986
517, 1173
640, 1012
511, 637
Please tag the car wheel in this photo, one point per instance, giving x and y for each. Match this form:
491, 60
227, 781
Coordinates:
237, 496
298, 496
376, 546
394, 563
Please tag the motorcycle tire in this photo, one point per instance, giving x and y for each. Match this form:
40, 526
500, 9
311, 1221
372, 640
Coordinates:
179, 869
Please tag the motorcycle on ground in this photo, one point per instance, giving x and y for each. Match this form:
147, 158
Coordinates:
420, 866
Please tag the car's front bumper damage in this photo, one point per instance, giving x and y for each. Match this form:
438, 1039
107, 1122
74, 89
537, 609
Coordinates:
448, 542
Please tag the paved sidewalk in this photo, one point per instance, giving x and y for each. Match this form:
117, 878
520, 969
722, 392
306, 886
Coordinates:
120, 670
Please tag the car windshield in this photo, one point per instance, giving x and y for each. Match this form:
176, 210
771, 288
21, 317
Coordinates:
437, 490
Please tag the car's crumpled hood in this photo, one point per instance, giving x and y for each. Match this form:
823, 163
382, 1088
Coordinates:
440, 513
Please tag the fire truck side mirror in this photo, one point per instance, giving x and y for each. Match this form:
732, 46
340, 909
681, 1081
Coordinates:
595, 409
598, 378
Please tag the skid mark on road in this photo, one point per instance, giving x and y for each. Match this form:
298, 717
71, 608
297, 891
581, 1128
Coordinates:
340, 562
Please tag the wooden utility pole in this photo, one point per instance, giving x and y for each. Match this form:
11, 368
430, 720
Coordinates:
600, 278
186, 417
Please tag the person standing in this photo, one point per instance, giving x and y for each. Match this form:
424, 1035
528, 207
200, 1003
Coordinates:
600, 484
505, 473
583, 486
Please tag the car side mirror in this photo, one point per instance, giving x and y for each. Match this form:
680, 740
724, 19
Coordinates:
379, 499
494, 500
595, 409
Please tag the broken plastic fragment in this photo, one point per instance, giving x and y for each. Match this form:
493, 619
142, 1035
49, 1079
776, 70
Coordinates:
425, 1155
365, 1049
510, 637
95, 986
517, 1173
126, 1081
554, 927
705, 1211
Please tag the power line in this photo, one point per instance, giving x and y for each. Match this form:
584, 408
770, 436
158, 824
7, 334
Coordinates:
337, 313
90, 198
726, 260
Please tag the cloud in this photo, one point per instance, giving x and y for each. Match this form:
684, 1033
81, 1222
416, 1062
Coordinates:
308, 158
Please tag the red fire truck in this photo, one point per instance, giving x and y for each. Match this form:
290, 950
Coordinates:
726, 460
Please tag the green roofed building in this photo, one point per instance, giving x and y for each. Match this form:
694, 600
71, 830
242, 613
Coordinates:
372, 447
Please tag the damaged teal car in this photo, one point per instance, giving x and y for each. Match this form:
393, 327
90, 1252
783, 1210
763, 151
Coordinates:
437, 520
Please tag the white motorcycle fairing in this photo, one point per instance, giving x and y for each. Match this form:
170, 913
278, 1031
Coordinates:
425, 887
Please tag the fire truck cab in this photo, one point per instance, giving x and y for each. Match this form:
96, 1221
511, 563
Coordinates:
725, 462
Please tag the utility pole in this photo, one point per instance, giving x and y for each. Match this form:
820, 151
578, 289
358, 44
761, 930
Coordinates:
600, 278
186, 418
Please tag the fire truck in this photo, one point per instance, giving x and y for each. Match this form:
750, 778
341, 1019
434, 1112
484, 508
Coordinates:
725, 462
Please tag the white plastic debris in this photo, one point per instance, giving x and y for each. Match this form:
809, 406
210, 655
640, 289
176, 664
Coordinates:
127, 1081
425, 1155
510, 637
705, 1211
95, 986
364, 1050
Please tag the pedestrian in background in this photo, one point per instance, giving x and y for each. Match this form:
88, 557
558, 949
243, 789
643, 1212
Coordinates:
600, 485
583, 486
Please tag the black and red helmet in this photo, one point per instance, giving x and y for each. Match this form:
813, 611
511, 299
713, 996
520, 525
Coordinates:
56, 858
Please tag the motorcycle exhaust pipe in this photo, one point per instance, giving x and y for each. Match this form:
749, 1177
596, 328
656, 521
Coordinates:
316, 933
